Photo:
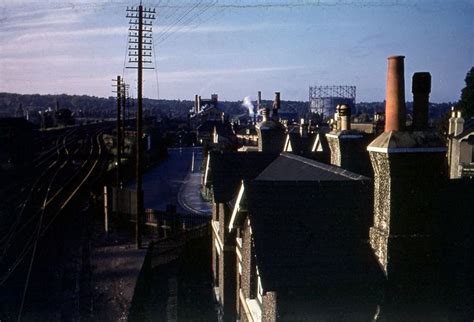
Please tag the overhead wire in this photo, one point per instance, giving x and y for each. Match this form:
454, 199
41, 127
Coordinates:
189, 21
176, 22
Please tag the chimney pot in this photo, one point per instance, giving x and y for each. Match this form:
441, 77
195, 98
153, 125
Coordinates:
345, 117
265, 113
395, 117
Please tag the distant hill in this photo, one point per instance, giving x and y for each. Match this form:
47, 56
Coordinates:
100, 107
92, 106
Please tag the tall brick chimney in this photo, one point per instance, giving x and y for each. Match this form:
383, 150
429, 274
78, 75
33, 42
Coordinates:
408, 166
271, 133
395, 115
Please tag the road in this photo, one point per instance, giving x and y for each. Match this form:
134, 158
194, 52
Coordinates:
169, 182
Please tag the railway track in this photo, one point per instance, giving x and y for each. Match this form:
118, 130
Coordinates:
33, 242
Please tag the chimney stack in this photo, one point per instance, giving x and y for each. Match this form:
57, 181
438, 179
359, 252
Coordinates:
456, 127
408, 170
196, 102
348, 147
271, 133
214, 99
451, 121
345, 117
421, 88
199, 104
458, 124
395, 111
276, 106
257, 107
303, 128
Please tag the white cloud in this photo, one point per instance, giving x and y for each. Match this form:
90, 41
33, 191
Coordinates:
41, 18
221, 28
185, 75
89, 32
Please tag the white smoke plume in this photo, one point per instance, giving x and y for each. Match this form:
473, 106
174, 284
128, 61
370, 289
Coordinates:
247, 103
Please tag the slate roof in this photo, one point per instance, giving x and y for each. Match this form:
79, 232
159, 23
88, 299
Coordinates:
290, 167
307, 234
228, 169
301, 145
323, 141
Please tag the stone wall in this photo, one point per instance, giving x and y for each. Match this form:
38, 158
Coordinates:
269, 312
404, 233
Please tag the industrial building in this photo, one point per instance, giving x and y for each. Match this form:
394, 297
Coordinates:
324, 99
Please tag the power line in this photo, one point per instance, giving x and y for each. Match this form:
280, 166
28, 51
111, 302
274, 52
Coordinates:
177, 21
186, 22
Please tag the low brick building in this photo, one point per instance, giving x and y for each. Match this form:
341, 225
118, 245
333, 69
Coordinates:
223, 176
302, 244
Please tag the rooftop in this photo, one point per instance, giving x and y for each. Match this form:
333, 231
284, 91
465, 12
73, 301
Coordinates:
290, 167
228, 169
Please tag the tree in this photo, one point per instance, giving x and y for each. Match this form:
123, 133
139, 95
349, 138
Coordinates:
466, 104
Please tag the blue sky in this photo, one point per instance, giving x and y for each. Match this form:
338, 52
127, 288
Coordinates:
235, 48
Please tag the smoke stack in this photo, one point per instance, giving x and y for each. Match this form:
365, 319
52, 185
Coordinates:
257, 107
214, 99
421, 88
196, 102
276, 106
345, 117
199, 104
395, 115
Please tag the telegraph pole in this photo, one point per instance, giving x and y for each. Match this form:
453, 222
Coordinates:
140, 40
124, 115
119, 136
